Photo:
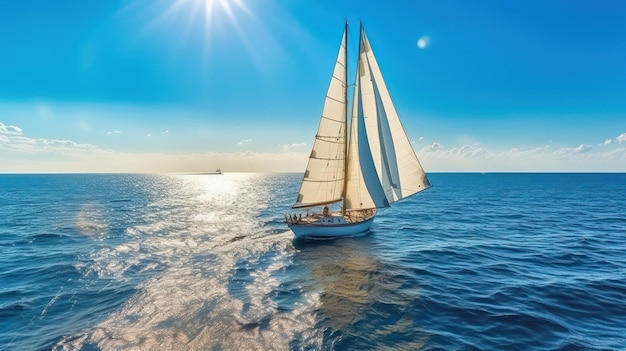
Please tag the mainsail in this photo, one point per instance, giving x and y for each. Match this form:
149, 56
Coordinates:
323, 180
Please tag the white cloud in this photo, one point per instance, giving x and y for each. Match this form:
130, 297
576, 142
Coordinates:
149, 135
525, 152
287, 147
476, 158
433, 147
621, 138
419, 139
471, 151
13, 140
111, 132
166, 132
4, 129
244, 142
423, 42
582, 148
606, 142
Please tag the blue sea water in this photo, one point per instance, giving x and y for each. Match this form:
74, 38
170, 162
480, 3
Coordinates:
205, 262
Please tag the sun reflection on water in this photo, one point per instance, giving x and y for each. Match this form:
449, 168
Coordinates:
215, 281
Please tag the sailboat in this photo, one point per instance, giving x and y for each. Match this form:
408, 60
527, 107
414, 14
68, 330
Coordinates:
366, 164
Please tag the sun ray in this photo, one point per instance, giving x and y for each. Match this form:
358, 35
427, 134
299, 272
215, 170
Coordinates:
207, 31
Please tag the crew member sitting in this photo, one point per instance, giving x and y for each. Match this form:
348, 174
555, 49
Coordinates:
325, 211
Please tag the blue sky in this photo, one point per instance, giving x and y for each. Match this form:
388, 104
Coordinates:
192, 85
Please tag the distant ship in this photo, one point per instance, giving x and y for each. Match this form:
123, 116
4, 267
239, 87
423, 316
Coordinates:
375, 167
217, 172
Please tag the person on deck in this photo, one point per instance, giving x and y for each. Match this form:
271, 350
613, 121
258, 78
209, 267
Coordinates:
325, 211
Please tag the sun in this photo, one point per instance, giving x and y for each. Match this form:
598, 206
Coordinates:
211, 12
208, 17
225, 5
208, 30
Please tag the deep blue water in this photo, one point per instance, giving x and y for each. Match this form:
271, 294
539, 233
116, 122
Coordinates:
192, 262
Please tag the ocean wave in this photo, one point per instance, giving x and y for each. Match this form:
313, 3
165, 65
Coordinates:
196, 262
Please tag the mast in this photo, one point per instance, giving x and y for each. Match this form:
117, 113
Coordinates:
345, 130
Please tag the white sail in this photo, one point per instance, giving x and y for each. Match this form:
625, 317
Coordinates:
323, 180
363, 186
399, 171
382, 166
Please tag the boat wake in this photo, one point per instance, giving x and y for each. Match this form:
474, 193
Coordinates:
210, 280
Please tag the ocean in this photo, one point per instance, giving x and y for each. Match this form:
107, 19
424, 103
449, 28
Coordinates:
490, 261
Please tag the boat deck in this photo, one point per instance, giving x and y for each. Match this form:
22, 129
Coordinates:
332, 218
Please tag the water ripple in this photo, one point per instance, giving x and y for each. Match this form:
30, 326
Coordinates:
480, 261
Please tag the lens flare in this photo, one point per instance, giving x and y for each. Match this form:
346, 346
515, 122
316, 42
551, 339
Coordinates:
423, 42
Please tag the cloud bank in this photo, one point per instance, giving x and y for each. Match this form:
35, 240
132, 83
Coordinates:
22, 154
547, 158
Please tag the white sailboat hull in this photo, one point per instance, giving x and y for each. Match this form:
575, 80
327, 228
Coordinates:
326, 229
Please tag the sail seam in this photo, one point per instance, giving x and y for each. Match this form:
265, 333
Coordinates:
341, 64
322, 181
327, 159
332, 98
331, 119
329, 141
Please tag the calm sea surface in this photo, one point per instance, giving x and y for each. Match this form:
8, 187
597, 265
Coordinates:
204, 262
